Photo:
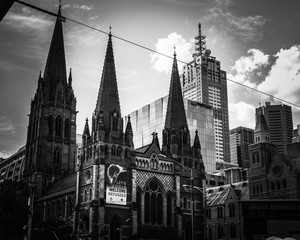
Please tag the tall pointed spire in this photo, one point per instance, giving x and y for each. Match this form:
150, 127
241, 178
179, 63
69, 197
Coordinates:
176, 134
129, 133
86, 130
108, 95
70, 77
261, 132
55, 70
175, 117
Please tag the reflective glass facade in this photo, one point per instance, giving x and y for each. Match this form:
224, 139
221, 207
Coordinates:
151, 118
240, 140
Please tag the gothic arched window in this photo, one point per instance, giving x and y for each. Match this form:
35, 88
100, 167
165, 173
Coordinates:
169, 209
113, 150
153, 203
139, 201
119, 151
56, 156
58, 126
50, 125
90, 194
67, 128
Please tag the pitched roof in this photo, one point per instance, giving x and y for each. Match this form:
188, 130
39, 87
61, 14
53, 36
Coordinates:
219, 195
60, 187
261, 123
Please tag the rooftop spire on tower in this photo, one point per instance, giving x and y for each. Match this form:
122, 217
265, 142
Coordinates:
200, 42
55, 69
175, 117
108, 95
261, 132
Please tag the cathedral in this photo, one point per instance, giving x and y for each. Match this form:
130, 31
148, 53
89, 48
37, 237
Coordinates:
113, 190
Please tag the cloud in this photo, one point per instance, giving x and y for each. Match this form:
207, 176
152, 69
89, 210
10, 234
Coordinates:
26, 19
77, 6
280, 77
247, 28
241, 114
283, 80
166, 46
6, 125
251, 69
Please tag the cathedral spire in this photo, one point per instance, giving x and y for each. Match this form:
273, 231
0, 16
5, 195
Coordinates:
55, 70
175, 117
108, 95
70, 77
176, 133
129, 133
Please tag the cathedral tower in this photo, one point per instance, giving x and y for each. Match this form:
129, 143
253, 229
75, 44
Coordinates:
189, 167
262, 153
104, 173
51, 146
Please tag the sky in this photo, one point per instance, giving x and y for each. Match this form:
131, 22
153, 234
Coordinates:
257, 43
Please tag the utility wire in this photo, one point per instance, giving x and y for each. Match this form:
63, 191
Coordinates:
146, 48
254, 89
125, 40
165, 55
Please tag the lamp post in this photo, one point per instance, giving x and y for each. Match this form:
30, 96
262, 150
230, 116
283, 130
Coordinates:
192, 187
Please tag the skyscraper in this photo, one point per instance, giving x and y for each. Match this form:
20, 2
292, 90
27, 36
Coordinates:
204, 81
151, 118
240, 139
280, 122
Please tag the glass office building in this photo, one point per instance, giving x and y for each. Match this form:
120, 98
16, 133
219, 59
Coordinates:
240, 140
151, 118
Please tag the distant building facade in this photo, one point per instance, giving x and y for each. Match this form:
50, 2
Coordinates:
224, 214
240, 139
280, 122
272, 175
151, 118
204, 81
11, 168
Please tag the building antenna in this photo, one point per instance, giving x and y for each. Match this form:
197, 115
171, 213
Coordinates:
200, 42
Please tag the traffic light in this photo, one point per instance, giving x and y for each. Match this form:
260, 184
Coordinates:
5, 5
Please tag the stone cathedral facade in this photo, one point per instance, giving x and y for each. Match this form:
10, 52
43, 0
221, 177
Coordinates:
113, 191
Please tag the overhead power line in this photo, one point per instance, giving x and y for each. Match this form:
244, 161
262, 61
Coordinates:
168, 56
254, 89
147, 48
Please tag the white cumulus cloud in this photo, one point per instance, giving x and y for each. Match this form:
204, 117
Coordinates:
283, 80
241, 114
166, 46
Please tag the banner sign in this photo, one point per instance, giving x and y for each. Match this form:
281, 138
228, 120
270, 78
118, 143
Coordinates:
116, 189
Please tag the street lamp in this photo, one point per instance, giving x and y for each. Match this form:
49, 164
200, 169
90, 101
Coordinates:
191, 189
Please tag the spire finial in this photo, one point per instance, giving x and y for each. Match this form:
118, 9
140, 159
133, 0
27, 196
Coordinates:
174, 51
109, 30
59, 8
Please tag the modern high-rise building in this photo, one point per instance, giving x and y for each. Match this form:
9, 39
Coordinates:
240, 139
151, 118
204, 81
280, 122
